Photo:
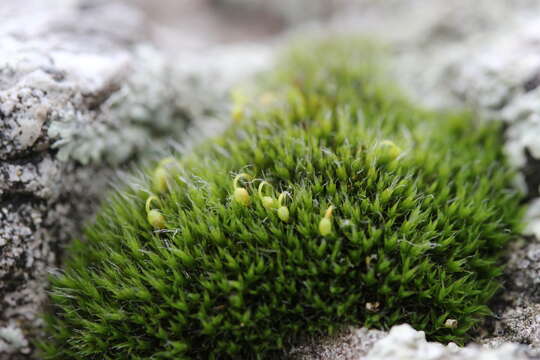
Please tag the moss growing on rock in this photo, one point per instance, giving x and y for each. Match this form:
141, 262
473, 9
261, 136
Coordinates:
393, 214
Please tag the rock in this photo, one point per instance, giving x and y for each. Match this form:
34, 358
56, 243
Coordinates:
284, 11
518, 309
82, 92
352, 343
44, 83
403, 343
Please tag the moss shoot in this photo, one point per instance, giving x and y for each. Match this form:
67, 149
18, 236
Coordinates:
330, 201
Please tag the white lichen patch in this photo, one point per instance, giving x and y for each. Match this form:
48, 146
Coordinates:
405, 343
532, 219
12, 340
402, 343
146, 100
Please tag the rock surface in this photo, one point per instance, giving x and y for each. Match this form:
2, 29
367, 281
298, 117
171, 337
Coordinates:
518, 309
352, 343
44, 83
81, 92
403, 343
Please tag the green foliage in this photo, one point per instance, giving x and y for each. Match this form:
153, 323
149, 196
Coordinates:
392, 214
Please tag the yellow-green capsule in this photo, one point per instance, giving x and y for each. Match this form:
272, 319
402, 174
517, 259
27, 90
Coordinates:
156, 219
239, 101
237, 113
325, 225
283, 211
267, 201
159, 180
164, 171
240, 194
391, 150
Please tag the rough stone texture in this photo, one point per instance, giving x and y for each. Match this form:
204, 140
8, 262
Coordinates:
518, 310
80, 91
48, 73
285, 11
352, 343
403, 343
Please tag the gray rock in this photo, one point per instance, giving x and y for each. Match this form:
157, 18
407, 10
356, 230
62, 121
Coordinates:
518, 307
288, 12
81, 93
48, 74
403, 343
352, 343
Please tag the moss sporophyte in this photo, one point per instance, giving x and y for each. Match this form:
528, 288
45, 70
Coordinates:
386, 214
155, 218
268, 201
325, 225
163, 172
241, 195
283, 211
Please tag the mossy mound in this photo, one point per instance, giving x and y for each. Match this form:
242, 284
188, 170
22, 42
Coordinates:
422, 208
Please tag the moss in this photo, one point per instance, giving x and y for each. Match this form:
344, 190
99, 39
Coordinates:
394, 214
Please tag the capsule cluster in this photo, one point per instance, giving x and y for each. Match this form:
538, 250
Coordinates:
390, 152
269, 202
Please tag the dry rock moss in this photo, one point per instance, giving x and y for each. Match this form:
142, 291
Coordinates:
394, 214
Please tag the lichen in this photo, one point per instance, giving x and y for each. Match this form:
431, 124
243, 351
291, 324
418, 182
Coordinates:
154, 102
12, 340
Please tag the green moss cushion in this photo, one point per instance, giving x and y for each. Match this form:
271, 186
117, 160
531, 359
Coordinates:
394, 214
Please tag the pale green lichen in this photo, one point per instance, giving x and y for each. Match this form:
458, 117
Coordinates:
154, 102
